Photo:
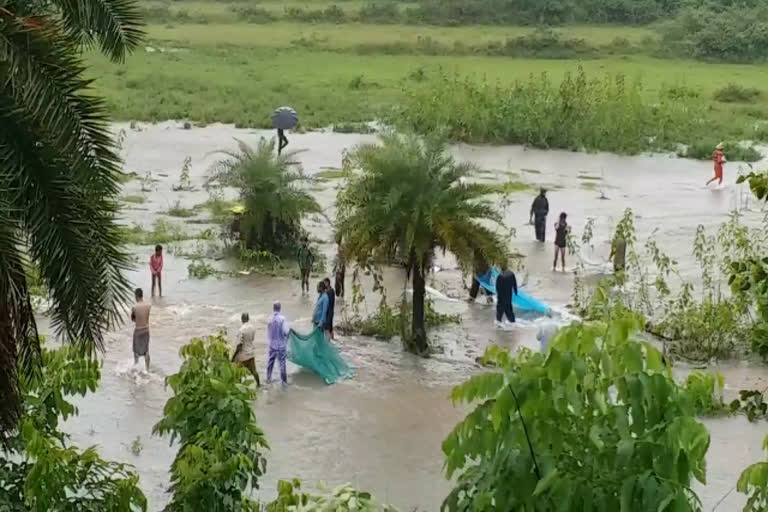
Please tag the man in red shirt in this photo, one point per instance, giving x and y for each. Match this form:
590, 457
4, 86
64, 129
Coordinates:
719, 158
156, 267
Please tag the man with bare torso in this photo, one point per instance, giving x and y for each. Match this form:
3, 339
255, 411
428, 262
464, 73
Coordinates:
140, 317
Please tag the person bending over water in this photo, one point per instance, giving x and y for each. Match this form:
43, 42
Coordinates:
140, 318
246, 349
561, 234
277, 339
282, 141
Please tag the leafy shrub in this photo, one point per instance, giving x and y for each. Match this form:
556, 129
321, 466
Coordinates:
752, 403
380, 12
40, 468
201, 269
251, 14
596, 422
735, 93
220, 454
706, 392
331, 14
734, 151
753, 481
341, 499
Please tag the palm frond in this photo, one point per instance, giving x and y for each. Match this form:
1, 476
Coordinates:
115, 25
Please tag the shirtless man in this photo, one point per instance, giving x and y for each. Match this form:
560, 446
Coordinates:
140, 317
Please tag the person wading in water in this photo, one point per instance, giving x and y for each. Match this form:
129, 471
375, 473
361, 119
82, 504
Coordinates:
539, 211
140, 317
305, 258
282, 140
506, 289
246, 349
561, 236
719, 158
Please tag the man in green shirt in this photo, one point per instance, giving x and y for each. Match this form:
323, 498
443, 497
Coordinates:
306, 258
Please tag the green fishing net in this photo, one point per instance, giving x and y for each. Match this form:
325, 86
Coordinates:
313, 352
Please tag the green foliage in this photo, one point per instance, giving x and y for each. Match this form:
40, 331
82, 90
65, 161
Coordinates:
40, 469
220, 455
200, 269
595, 423
581, 112
60, 179
341, 499
185, 181
133, 199
754, 482
269, 190
405, 199
735, 93
734, 151
752, 403
178, 211
162, 232
706, 392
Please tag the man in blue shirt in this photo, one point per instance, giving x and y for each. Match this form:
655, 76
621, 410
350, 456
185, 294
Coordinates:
320, 316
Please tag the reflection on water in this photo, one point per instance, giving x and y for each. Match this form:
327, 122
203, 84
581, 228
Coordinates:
382, 430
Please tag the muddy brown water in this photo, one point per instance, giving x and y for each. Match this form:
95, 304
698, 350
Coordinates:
382, 429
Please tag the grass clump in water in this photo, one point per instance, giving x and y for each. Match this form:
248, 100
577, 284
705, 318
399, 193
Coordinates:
162, 232
133, 199
510, 187
178, 211
735, 93
331, 174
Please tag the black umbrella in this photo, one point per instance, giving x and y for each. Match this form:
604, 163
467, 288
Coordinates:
285, 118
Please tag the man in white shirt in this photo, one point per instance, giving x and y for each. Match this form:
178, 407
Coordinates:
246, 350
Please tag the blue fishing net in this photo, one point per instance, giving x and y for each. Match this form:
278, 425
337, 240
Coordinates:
521, 301
313, 352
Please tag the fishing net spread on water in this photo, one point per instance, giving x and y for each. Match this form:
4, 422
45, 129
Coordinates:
313, 352
521, 301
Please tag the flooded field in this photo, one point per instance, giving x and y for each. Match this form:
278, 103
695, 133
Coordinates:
382, 429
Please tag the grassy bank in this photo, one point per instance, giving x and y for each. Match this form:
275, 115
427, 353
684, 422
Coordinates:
238, 72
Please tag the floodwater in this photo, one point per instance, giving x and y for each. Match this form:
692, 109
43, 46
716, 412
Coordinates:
382, 429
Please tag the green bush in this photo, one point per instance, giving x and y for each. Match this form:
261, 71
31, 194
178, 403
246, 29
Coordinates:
251, 14
596, 423
735, 93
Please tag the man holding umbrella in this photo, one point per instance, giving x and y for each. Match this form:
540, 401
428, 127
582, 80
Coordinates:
284, 118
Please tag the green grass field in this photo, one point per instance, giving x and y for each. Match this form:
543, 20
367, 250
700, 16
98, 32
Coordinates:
238, 72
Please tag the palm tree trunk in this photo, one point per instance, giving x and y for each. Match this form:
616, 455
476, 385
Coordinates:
418, 342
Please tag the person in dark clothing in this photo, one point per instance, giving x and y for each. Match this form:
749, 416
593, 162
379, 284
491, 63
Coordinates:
561, 234
339, 267
539, 211
282, 140
506, 288
479, 267
331, 304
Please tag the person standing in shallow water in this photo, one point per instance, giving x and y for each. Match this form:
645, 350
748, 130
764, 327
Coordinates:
506, 289
320, 316
561, 236
282, 141
156, 268
719, 159
140, 318
306, 259
331, 308
245, 352
277, 340
539, 212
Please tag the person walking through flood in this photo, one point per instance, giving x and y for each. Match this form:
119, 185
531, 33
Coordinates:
156, 268
277, 340
140, 318
331, 307
506, 289
561, 236
245, 352
539, 212
282, 140
320, 315
306, 259
719, 159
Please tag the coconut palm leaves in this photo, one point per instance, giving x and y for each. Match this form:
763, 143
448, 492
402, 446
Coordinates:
409, 200
58, 177
268, 185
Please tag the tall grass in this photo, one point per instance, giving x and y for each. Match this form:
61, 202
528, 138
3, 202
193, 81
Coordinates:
580, 113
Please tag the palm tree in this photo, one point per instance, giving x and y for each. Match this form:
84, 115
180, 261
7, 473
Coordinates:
409, 200
58, 179
274, 204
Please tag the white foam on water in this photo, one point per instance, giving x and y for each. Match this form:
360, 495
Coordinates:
138, 372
